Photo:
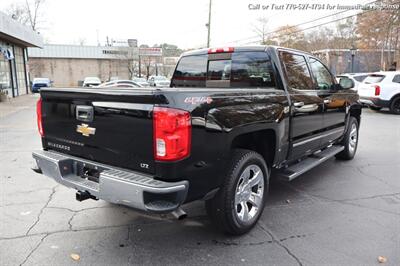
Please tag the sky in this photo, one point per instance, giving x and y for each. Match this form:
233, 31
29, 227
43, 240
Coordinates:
179, 22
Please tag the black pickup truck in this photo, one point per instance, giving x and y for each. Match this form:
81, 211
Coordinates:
231, 118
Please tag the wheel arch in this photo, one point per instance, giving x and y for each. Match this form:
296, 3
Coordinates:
262, 141
355, 111
394, 97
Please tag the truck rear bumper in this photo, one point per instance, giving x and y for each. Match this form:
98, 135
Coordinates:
374, 101
125, 187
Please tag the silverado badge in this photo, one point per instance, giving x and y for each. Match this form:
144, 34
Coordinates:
85, 130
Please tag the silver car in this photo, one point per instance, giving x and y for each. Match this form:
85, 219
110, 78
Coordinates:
141, 81
159, 81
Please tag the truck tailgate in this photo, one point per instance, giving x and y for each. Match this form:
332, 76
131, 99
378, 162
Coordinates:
112, 126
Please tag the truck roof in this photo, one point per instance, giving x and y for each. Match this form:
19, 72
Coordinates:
243, 49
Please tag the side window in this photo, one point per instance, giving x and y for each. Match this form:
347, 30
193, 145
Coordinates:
298, 75
396, 79
321, 74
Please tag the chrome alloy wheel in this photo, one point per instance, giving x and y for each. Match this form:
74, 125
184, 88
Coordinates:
249, 193
353, 138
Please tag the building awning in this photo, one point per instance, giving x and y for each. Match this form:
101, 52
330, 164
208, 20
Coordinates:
14, 32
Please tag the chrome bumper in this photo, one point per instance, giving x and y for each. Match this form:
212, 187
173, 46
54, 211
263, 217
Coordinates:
136, 190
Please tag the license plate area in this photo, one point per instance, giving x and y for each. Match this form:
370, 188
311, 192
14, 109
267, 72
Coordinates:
87, 171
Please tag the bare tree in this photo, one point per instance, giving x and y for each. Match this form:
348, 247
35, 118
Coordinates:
261, 29
128, 58
81, 41
28, 13
18, 12
290, 36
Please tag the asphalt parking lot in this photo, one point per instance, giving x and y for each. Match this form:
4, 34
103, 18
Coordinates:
340, 213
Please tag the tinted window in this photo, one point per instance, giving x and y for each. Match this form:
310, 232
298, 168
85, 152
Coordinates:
298, 75
374, 79
245, 69
252, 69
191, 71
219, 70
396, 79
360, 78
321, 74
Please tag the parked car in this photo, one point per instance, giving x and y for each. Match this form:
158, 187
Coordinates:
159, 81
141, 81
356, 77
120, 83
230, 117
381, 90
39, 83
114, 78
91, 82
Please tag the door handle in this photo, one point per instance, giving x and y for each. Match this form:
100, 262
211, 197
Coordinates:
298, 104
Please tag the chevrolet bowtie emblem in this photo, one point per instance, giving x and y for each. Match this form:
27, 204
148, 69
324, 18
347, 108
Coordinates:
85, 130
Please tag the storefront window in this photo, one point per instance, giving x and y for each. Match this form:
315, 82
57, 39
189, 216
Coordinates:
19, 65
5, 77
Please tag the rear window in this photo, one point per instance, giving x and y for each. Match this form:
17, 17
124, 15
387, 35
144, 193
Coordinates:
360, 78
374, 79
219, 70
243, 69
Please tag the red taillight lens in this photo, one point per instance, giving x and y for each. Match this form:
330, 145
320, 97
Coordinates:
377, 90
172, 134
39, 116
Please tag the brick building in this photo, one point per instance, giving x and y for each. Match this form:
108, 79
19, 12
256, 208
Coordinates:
68, 65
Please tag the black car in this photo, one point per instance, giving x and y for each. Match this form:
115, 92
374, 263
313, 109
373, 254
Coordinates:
232, 119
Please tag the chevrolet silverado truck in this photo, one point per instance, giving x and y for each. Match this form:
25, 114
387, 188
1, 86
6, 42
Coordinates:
231, 118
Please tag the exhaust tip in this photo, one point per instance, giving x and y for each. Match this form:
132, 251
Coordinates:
179, 214
37, 170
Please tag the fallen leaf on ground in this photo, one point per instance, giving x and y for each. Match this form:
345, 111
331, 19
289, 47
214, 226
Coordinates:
382, 259
75, 257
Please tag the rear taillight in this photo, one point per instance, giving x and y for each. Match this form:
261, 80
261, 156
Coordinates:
377, 90
39, 116
221, 50
172, 134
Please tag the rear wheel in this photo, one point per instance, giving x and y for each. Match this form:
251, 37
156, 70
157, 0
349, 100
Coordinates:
375, 108
239, 203
350, 141
395, 106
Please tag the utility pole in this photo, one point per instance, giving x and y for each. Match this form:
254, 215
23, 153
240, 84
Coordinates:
140, 65
209, 24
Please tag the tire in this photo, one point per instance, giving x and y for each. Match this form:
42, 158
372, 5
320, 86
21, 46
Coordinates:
395, 106
350, 141
235, 209
374, 108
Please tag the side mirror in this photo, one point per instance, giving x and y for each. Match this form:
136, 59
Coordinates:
346, 83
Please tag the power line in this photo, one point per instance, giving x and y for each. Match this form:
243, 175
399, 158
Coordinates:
297, 25
289, 34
